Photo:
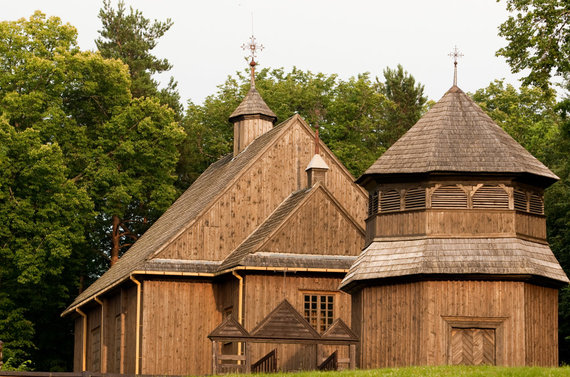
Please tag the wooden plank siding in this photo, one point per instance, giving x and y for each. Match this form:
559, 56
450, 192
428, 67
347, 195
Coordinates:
178, 316
298, 234
541, 324
263, 292
279, 171
410, 323
457, 223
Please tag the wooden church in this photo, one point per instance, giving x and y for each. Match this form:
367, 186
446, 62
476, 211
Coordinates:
275, 259
264, 235
456, 268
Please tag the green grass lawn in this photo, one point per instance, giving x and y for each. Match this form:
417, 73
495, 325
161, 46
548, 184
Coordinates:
441, 371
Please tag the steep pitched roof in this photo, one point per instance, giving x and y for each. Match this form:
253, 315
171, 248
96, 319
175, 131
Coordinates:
456, 135
478, 256
248, 252
187, 207
253, 104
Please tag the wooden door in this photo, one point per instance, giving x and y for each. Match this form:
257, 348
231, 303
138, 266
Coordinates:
472, 346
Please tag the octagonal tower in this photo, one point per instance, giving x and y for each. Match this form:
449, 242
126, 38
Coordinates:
457, 269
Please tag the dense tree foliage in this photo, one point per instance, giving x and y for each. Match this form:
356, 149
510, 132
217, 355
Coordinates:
536, 120
77, 151
358, 118
538, 39
538, 36
130, 37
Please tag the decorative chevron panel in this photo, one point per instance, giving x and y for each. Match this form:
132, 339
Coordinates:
472, 346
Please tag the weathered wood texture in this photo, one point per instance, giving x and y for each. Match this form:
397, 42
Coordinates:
111, 347
242, 207
264, 292
457, 223
303, 233
247, 130
78, 344
411, 323
178, 316
541, 325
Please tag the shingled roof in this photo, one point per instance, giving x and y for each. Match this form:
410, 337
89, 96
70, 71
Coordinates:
475, 256
187, 207
251, 253
456, 135
253, 104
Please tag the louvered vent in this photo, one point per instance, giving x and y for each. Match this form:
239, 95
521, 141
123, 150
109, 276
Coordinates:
536, 206
415, 198
490, 197
373, 203
390, 201
520, 200
449, 197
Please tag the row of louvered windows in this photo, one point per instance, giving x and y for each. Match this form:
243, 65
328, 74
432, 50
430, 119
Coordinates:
453, 196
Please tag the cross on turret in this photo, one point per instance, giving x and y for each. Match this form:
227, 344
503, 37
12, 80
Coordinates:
252, 46
455, 54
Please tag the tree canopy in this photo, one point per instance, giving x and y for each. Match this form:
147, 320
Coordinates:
358, 118
131, 37
538, 36
77, 152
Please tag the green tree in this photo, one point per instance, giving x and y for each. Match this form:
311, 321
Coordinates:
534, 118
529, 115
405, 104
131, 37
85, 168
538, 36
355, 116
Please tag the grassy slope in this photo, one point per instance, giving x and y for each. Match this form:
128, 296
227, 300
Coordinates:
443, 371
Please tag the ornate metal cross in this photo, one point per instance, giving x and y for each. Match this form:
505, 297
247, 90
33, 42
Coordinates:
253, 47
455, 54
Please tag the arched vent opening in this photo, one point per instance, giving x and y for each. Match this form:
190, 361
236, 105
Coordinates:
390, 201
415, 198
449, 197
520, 200
490, 197
536, 204
373, 203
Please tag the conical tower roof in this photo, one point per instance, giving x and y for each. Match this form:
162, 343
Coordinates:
456, 136
253, 104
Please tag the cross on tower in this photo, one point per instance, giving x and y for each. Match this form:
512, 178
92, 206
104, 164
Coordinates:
455, 54
253, 47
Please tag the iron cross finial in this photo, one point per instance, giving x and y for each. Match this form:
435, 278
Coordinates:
252, 46
455, 54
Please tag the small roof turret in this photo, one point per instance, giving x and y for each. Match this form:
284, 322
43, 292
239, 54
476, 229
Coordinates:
253, 104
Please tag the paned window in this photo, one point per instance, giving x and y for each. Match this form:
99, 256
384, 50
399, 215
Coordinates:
318, 309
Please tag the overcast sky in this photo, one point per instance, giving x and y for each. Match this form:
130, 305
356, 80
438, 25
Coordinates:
329, 36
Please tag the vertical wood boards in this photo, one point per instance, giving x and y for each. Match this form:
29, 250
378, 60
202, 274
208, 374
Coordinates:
178, 316
457, 222
247, 130
253, 197
411, 323
390, 325
263, 293
541, 325
78, 344
318, 227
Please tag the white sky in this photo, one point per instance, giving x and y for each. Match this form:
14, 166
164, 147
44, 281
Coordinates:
343, 37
